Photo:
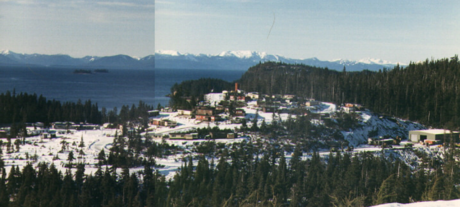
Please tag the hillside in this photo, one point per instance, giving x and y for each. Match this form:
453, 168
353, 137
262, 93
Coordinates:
426, 92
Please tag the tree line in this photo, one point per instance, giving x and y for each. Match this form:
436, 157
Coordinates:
17, 110
24, 107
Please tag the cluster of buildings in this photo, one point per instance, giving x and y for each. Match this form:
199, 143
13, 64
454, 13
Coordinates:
228, 106
38, 128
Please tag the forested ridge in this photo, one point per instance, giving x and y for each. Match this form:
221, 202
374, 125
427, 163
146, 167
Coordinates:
427, 91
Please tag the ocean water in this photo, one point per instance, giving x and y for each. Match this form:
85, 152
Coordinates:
112, 89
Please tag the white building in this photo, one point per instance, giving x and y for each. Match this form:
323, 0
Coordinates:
253, 95
214, 98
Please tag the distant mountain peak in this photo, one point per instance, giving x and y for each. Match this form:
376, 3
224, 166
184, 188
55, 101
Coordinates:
368, 61
168, 52
8, 52
374, 61
242, 54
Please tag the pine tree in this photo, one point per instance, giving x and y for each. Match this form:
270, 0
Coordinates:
386, 192
70, 158
82, 143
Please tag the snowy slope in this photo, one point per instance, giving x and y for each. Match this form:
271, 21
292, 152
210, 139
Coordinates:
46, 149
372, 122
441, 203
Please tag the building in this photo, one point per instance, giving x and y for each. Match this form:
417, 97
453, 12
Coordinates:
433, 135
182, 112
62, 125
207, 118
240, 112
241, 98
165, 122
311, 103
220, 108
221, 135
3, 133
288, 96
205, 111
214, 98
253, 95
206, 114
153, 112
359, 107
89, 127
277, 96
348, 109
187, 136
269, 109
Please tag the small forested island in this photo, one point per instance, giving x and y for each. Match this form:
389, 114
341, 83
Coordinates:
101, 71
82, 71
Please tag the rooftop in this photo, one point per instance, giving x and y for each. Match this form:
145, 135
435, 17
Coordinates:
435, 131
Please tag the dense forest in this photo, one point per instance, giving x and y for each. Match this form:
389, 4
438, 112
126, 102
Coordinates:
247, 175
426, 91
26, 107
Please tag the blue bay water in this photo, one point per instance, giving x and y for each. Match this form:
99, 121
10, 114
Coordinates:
112, 89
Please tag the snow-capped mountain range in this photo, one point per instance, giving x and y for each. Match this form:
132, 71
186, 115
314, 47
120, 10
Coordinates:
242, 60
169, 59
10, 58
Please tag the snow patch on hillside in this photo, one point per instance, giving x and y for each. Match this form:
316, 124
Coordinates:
380, 126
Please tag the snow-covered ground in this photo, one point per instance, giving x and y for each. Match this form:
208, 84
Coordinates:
47, 149
186, 124
441, 203
324, 108
95, 140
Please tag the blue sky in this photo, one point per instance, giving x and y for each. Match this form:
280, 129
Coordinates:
398, 31
78, 28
